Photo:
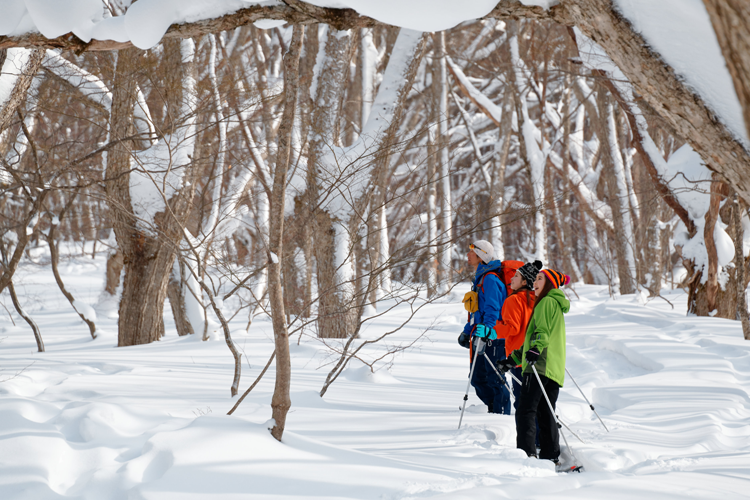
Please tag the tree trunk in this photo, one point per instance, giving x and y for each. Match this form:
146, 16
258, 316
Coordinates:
144, 256
445, 254
114, 270
731, 21
718, 191
535, 157
335, 277
705, 295
739, 265
176, 289
618, 200
500, 161
19, 68
432, 231
281, 401
569, 260
148, 253
26, 317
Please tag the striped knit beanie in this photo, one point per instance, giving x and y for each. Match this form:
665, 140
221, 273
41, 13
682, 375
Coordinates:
557, 279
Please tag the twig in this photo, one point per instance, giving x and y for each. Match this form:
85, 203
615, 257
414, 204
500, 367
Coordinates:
263, 372
22, 313
18, 372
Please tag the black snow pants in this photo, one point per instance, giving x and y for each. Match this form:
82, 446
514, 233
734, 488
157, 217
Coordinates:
532, 408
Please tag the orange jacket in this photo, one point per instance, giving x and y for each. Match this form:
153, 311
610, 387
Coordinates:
515, 316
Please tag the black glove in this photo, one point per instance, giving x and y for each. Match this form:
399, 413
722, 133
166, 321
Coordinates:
532, 356
463, 340
504, 365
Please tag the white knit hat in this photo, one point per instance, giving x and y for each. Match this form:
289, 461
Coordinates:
484, 250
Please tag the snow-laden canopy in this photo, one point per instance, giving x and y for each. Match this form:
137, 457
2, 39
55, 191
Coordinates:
679, 31
146, 21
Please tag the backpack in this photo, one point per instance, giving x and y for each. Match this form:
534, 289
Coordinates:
508, 269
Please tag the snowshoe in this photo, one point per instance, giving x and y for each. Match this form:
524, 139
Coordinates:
568, 468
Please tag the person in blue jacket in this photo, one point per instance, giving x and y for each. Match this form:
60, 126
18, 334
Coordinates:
489, 292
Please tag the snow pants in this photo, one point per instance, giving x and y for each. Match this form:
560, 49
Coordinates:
533, 408
485, 381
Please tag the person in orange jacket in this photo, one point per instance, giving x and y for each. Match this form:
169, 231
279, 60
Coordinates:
516, 312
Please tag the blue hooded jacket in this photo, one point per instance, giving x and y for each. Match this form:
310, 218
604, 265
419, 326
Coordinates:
491, 295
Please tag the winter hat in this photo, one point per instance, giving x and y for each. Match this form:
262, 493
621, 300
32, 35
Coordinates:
557, 279
483, 249
530, 270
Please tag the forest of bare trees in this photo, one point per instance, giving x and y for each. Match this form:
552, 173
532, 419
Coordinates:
316, 172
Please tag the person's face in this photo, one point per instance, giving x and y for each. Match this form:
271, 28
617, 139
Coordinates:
473, 258
517, 281
541, 280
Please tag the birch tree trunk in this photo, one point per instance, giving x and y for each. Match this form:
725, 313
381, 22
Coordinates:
432, 230
445, 269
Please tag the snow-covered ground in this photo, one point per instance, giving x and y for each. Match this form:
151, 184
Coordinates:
90, 420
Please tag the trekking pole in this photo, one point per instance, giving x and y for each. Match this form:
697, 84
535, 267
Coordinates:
587, 400
502, 379
514, 378
557, 420
479, 348
570, 430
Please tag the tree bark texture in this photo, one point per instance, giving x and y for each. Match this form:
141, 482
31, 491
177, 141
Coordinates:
142, 255
114, 270
739, 265
281, 400
708, 297
718, 191
147, 254
25, 75
176, 289
731, 22
335, 310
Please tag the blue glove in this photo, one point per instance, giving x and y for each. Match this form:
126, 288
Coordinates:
485, 333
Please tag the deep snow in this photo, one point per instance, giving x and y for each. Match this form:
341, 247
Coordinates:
90, 420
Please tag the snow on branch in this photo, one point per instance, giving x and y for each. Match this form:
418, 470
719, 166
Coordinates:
482, 102
146, 22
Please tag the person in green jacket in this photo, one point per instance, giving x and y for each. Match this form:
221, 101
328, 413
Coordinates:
544, 348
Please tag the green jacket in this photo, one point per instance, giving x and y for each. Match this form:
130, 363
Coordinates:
546, 332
